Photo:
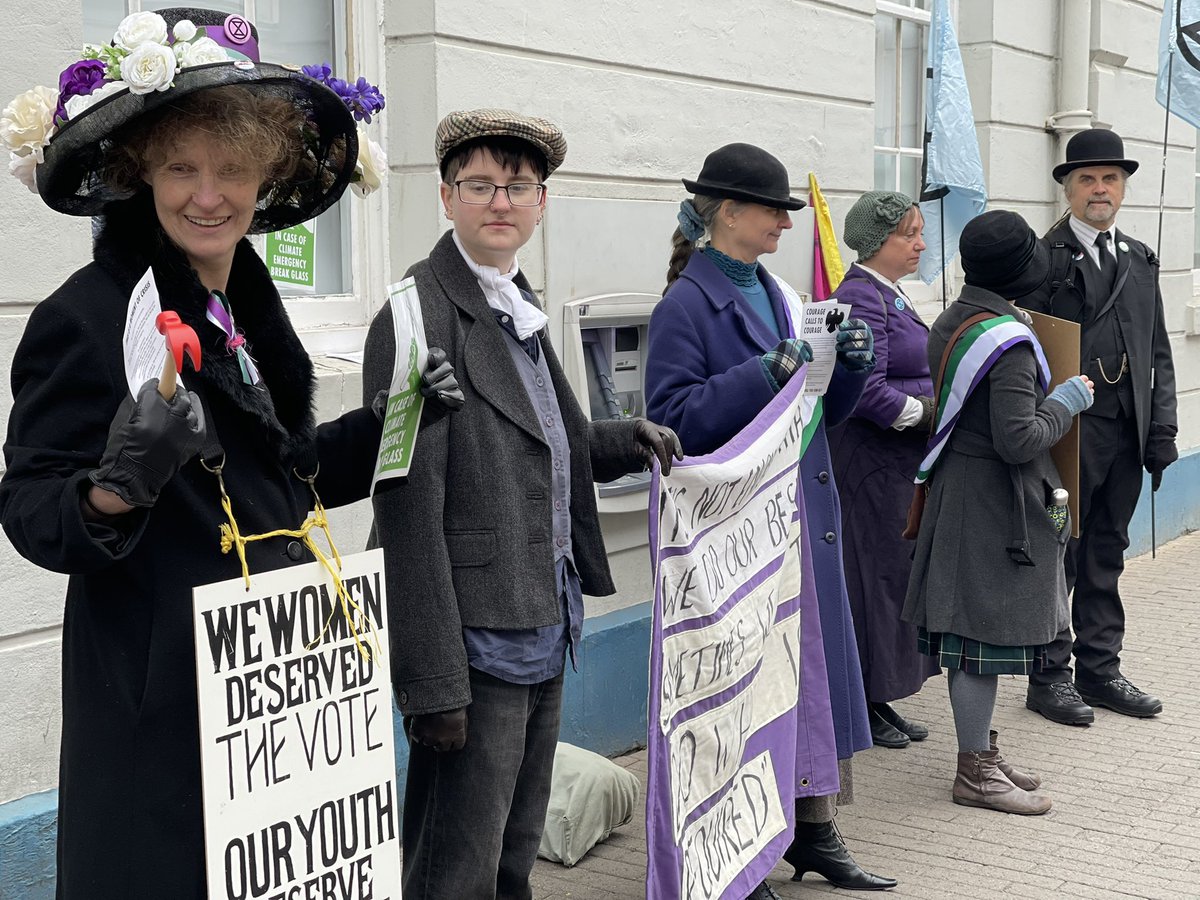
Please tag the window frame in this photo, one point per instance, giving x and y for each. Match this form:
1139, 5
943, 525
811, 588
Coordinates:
922, 18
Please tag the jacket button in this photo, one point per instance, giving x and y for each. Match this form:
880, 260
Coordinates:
560, 541
830, 537
295, 551
403, 698
823, 478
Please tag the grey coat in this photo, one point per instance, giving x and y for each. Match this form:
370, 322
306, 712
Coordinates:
963, 579
466, 536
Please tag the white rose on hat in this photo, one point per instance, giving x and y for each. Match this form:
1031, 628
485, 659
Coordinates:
140, 28
23, 167
200, 52
82, 103
184, 30
371, 166
28, 121
150, 67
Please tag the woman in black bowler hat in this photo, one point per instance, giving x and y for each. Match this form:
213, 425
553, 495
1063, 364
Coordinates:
987, 591
721, 346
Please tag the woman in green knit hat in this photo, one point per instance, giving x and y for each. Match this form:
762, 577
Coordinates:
876, 453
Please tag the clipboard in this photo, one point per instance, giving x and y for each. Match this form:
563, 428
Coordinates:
1060, 342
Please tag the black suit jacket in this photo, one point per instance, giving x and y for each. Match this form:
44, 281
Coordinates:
1139, 311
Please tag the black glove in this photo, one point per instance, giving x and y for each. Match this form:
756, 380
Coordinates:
1160, 452
656, 441
855, 345
927, 410
438, 381
441, 731
785, 360
149, 439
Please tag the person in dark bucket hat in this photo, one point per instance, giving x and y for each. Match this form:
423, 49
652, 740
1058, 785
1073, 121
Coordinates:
1094, 147
986, 591
182, 141
1002, 254
1107, 281
723, 341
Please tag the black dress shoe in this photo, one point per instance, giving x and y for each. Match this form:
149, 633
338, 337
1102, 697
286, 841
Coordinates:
764, 892
883, 732
1059, 702
817, 848
915, 730
1119, 695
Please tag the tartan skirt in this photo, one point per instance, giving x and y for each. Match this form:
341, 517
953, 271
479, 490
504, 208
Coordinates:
954, 651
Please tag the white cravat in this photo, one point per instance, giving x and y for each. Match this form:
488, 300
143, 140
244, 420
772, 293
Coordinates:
504, 296
1086, 235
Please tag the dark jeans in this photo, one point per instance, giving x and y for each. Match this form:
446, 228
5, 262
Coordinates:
473, 818
1110, 482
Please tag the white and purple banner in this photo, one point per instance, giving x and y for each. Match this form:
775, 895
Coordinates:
725, 663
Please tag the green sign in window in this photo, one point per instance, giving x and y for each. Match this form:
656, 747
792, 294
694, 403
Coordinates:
291, 257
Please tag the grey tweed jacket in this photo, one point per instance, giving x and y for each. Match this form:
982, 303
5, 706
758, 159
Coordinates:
466, 536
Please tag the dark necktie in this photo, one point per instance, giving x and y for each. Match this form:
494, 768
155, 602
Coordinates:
1108, 264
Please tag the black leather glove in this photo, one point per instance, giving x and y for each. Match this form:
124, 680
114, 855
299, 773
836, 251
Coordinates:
441, 731
927, 410
1160, 452
149, 439
438, 381
656, 441
855, 345
785, 360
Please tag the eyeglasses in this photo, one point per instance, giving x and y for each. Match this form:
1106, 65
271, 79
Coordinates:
480, 193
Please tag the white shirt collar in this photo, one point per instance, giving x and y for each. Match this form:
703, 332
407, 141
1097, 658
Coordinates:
1087, 233
892, 284
503, 295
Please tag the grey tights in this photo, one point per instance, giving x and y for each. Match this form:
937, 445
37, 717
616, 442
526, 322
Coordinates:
972, 697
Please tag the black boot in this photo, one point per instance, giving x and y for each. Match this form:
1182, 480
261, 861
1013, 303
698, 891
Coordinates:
817, 847
764, 892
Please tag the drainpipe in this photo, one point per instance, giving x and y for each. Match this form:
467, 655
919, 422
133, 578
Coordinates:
1074, 60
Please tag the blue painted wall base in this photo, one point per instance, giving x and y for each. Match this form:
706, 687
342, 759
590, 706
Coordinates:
604, 703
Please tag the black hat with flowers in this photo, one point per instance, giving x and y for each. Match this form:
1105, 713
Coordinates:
156, 59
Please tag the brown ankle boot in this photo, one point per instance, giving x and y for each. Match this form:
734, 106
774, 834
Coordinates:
979, 782
1026, 781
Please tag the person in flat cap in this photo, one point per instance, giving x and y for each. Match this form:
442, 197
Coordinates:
987, 592
876, 453
723, 341
1107, 281
182, 141
493, 538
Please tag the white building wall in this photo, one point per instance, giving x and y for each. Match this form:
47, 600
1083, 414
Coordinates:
643, 92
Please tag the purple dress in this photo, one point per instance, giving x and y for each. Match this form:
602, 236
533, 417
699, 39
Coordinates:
874, 466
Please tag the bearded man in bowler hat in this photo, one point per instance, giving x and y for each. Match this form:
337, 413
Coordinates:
1106, 281
493, 538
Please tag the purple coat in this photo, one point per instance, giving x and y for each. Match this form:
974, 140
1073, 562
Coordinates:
875, 465
704, 379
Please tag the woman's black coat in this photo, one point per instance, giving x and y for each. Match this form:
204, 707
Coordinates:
130, 821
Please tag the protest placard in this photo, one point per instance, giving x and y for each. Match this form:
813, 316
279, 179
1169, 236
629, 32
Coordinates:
726, 535
405, 402
296, 742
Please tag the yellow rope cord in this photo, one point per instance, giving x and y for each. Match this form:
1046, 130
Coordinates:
233, 539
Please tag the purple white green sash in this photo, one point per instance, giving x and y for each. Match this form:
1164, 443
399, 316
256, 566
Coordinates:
971, 359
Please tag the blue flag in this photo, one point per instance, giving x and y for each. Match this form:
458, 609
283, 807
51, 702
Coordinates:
1179, 59
952, 190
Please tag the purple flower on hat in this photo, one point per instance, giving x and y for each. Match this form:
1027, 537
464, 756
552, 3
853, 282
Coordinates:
78, 80
362, 98
320, 73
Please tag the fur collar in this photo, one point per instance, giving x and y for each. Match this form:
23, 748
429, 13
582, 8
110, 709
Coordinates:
131, 239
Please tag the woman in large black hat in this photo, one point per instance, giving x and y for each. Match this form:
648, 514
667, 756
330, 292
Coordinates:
987, 591
183, 142
721, 346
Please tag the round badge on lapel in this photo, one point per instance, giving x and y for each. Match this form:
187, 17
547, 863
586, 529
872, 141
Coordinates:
1124, 247
900, 303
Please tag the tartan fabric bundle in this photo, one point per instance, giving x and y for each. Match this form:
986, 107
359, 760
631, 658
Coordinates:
785, 360
469, 124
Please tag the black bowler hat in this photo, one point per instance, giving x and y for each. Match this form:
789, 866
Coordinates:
1000, 253
745, 172
1094, 147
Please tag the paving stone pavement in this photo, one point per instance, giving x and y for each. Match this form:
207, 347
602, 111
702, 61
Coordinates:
1126, 816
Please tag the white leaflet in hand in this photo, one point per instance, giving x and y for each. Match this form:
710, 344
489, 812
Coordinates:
405, 401
144, 347
818, 325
